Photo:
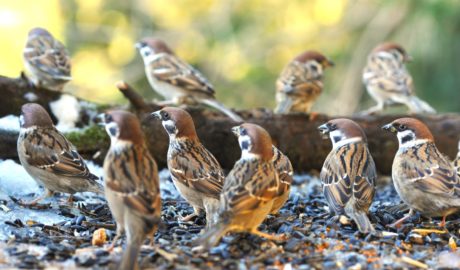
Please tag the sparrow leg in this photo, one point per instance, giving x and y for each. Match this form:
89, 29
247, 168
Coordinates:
443, 222
196, 212
166, 103
398, 223
115, 239
70, 199
271, 237
170, 257
377, 108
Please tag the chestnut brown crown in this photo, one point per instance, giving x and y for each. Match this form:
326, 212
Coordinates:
182, 120
33, 114
420, 130
129, 127
260, 139
349, 128
315, 56
158, 45
38, 31
392, 46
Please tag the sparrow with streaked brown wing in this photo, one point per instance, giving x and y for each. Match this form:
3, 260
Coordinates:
250, 189
388, 82
423, 177
194, 170
457, 160
301, 82
285, 172
175, 80
348, 174
46, 60
132, 186
49, 158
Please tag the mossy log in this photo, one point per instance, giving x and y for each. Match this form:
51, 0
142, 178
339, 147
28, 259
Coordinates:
294, 134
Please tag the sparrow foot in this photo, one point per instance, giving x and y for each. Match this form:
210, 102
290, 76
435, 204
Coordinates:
399, 222
272, 237
170, 257
188, 217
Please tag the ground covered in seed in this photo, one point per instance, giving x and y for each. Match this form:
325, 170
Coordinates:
314, 240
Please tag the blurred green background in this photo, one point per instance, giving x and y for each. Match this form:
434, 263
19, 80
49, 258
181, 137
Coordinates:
242, 45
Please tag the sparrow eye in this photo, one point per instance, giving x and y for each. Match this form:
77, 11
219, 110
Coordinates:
402, 127
165, 115
243, 132
108, 118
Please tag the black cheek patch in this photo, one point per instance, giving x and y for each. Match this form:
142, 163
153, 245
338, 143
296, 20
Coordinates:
170, 129
244, 145
406, 138
337, 138
113, 131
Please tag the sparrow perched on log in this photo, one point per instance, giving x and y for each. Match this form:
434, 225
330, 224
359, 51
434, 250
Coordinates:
49, 158
250, 189
388, 81
285, 172
348, 174
301, 82
46, 60
423, 177
194, 170
175, 80
132, 186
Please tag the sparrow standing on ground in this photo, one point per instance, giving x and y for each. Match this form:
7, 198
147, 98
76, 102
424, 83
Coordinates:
175, 80
49, 158
285, 172
132, 186
348, 173
301, 82
46, 60
250, 188
388, 81
194, 170
423, 177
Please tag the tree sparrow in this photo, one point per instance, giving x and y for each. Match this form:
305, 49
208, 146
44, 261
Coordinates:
131, 184
49, 158
250, 188
301, 82
194, 170
285, 172
388, 81
423, 177
46, 60
348, 173
175, 80
457, 160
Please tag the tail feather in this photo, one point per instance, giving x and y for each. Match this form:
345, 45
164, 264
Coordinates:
284, 106
417, 105
212, 236
363, 222
129, 259
219, 106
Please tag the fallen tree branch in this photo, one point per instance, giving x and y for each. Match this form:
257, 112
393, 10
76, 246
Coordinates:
294, 134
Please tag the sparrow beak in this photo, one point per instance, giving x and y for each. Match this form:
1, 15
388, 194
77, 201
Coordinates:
236, 130
324, 129
156, 115
138, 45
389, 127
408, 58
329, 63
100, 119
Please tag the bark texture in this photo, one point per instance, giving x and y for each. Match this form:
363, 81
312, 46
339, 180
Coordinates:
295, 134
